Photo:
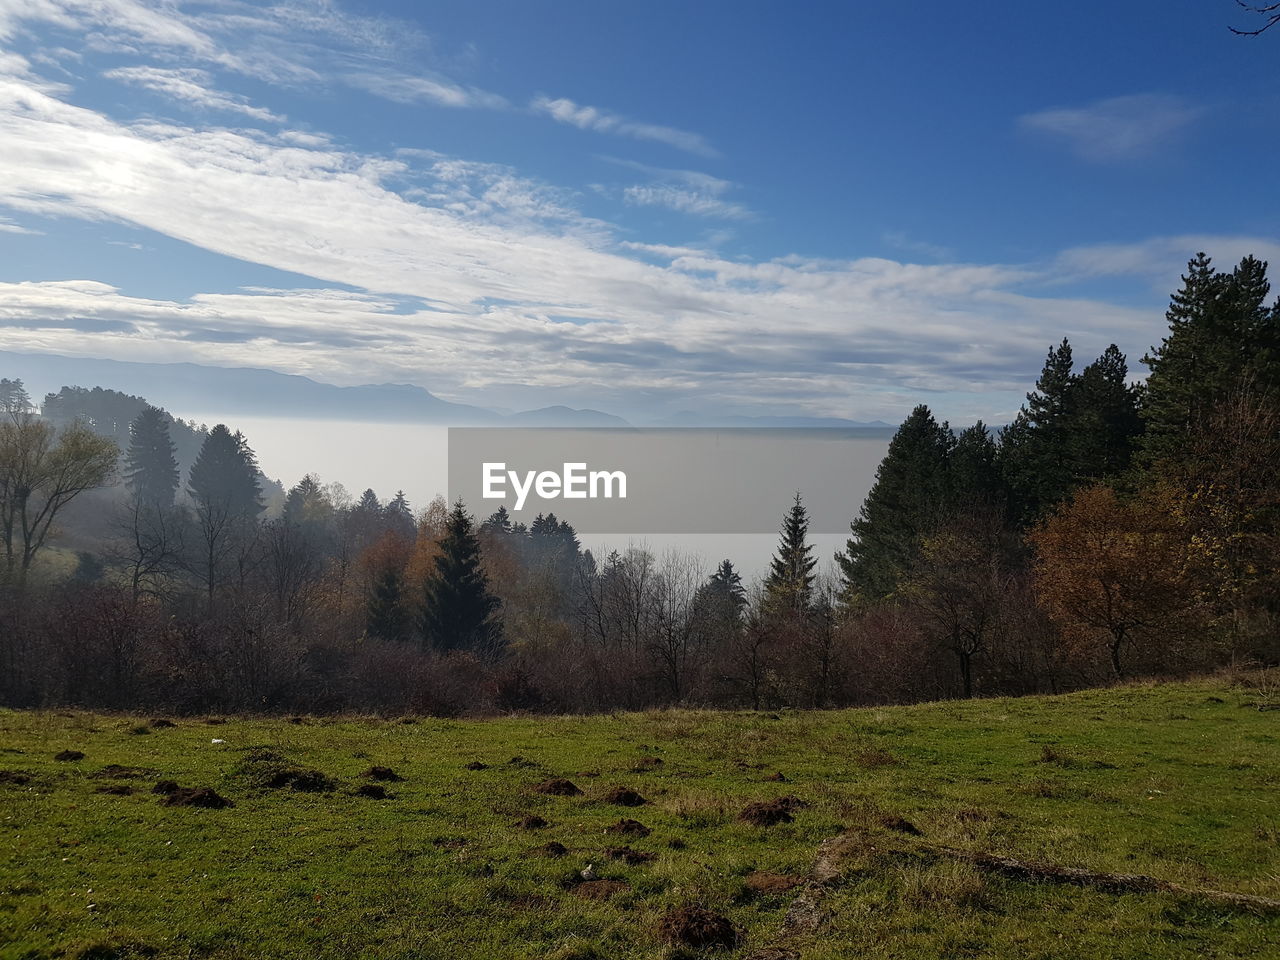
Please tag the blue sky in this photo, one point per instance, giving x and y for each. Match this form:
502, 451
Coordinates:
842, 209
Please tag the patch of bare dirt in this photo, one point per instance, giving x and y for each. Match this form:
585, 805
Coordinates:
374, 791
477, 765
645, 764
165, 787
16, 777
160, 723
629, 855
624, 797
764, 882
113, 771
599, 889
204, 797
770, 813
385, 774
891, 821
69, 756
627, 827
698, 928
553, 849
532, 822
116, 789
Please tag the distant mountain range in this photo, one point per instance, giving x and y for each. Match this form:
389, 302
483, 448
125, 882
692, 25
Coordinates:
182, 387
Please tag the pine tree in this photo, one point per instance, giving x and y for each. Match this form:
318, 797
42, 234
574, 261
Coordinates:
14, 398
1035, 450
224, 477
1222, 336
1106, 422
459, 612
974, 470
498, 522
385, 617
789, 586
911, 493
151, 465
399, 515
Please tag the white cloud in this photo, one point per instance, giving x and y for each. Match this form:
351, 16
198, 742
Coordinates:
191, 86
603, 121
403, 88
684, 201
1117, 129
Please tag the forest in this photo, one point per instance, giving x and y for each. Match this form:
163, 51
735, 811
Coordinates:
1113, 530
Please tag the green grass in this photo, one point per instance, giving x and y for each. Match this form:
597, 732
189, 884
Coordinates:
1178, 781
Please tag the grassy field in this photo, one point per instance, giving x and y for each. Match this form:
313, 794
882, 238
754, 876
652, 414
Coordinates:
1180, 782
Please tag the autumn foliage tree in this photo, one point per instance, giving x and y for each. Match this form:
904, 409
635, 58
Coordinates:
1117, 575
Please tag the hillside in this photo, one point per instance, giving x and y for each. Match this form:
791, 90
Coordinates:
1177, 782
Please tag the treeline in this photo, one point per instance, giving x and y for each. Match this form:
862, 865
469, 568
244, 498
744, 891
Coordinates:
1110, 531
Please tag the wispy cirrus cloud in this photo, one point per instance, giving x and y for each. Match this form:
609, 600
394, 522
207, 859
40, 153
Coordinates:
600, 120
1117, 129
685, 191
191, 86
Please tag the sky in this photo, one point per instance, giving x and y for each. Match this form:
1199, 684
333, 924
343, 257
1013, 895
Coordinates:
830, 209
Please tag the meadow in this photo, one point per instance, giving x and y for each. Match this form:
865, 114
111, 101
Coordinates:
856, 833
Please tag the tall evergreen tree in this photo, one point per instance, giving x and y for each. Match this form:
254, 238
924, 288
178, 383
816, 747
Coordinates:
1222, 335
399, 515
13, 397
151, 465
974, 469
1106, 422
385, 616
1035, 450
224, 477
459, 612
911, 492
789, 585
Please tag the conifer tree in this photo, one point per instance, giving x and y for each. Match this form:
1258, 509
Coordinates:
1222, 335
459, 612
1106, 422
151, 465
1035, 450
399, 515
224, 478
789, 585
911, 492
974, 470
385, 617
14, 398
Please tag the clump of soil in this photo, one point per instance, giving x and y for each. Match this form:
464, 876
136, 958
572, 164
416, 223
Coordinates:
519, 761
69, 756
205, 797
624, 797
140, 730
116, 789
166, 787
375, 791
629, 855
675, 843
385, 774
302, 781
891, 821
876, 757
777, 777
628, 828
763, 882
533, 822
160, 723
599, 889
552, 849
558, 787
770, 813
16, 777
698, 928
646, 763
477, 765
